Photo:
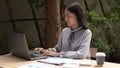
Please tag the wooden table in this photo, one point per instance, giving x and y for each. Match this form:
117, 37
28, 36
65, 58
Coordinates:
9, 61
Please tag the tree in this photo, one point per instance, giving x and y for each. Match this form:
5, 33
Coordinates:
53, 26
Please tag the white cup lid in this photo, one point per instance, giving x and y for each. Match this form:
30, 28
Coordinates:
100, 54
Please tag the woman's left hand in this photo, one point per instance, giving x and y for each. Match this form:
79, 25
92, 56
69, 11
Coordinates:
51, 53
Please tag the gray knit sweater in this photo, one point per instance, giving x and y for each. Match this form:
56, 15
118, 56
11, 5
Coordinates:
74, 43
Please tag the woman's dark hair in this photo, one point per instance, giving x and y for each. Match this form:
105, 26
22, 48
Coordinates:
76, 9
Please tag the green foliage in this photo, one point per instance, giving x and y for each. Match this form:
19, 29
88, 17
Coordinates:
97, 22
105, 25
102, 46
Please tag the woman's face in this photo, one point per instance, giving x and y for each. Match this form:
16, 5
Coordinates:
71, 19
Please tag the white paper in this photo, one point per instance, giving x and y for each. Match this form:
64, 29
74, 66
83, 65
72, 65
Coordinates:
35, 65
70, 65
57, 60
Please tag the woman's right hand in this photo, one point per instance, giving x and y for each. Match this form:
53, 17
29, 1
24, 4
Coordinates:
39, 50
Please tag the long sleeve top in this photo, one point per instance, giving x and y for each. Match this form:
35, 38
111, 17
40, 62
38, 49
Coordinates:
74, 43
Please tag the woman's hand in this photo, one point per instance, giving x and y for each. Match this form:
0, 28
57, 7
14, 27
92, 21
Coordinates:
47, 52
39, 50
51, 53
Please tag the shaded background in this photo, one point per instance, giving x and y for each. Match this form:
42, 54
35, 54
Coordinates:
29, 17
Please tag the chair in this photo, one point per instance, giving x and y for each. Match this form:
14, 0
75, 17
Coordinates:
93, 52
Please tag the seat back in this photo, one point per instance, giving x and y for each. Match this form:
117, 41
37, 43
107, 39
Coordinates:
93, 52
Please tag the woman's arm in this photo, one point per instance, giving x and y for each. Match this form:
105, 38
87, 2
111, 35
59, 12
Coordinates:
57, 48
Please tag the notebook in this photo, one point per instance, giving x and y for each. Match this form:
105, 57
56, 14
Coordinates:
18, 46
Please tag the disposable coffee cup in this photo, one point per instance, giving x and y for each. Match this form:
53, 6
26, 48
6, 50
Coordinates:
100, 58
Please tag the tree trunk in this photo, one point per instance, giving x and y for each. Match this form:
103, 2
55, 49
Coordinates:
53, 26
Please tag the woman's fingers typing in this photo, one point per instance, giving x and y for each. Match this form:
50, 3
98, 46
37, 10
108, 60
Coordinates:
40, 50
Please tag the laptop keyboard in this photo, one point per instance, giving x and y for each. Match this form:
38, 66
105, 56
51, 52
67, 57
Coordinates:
34, 54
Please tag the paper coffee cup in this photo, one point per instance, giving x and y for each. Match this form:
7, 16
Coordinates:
100, 58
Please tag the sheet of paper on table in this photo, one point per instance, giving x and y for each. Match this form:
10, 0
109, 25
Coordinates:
57, 60
35, 65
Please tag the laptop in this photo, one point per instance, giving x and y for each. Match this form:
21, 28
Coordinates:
18, 46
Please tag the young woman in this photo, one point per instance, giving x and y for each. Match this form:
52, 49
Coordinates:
74, 41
